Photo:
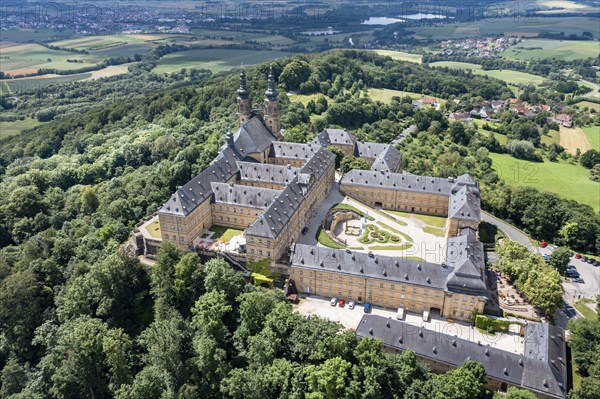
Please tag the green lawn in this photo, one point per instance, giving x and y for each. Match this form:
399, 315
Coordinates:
584, 309
567, 180
216, 60
224, 233
593, 135
433, 221
401, 55
530, 49
352, 208
434, 230
12, 128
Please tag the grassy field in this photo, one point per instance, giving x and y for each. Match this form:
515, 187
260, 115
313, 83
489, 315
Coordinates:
531, 49
573, 138
12, 128
432, 221
29, 58
401, 55
510, 27
590, 105
386, 95
567, 180
455, 65
305, 98
553, 137
18, 85
512, 77
216, 60
593, 135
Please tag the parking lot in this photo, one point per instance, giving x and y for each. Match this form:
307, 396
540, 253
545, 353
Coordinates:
350, 318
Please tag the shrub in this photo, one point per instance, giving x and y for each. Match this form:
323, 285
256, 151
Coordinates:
394, 238
492, 326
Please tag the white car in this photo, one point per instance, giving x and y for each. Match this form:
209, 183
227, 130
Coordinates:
333, 301
351, 305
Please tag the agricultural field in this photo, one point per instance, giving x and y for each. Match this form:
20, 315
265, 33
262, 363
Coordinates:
526, 27
28, 58
565, 179
593, 135
386, 95
534, 49
11, 128
401, 55
37, 35
216, 60
562, 6
14, 86
574, 138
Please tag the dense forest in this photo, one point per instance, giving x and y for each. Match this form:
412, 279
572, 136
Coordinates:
81, 319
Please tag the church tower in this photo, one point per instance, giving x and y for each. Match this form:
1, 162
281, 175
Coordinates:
271, 113
244, 107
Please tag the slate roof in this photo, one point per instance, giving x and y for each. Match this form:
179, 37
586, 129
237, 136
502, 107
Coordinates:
252, 137
282, 149
387, 268
406, 182
318, 164
277, 215
388, 161
465, 254
268, 173
465, 204
335, 136
235, 194
199, 189
515, 369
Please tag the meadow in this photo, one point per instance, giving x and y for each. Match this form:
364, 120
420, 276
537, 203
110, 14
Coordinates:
509, 76
216, 60
510, 27
11, 128
534, 49
565, 179
401, 55
386, 95
305, 98
593, 135
14, 86
589, 104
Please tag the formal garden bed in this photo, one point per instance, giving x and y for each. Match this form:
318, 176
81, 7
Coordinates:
373, 234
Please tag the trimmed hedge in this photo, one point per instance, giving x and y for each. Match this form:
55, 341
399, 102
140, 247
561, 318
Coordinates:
491, 326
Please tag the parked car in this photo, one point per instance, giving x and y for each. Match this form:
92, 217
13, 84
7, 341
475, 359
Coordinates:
555, 246
584, 259
571, 267
351, 305
596, 263
543, 244
572, 274
546, 257
590, 260
367, 308
577, 256
341, 303
304, 231
333, 301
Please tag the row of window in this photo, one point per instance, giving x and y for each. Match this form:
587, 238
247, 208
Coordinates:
260, 252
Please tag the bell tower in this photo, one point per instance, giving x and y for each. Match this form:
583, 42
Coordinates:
244, 107
271, 113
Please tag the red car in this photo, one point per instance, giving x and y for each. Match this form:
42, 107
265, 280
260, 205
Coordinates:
577, 256
543, 244
342, 303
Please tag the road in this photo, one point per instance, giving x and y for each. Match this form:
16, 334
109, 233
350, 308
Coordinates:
405, 133
595, 92
587, 287
511, 231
